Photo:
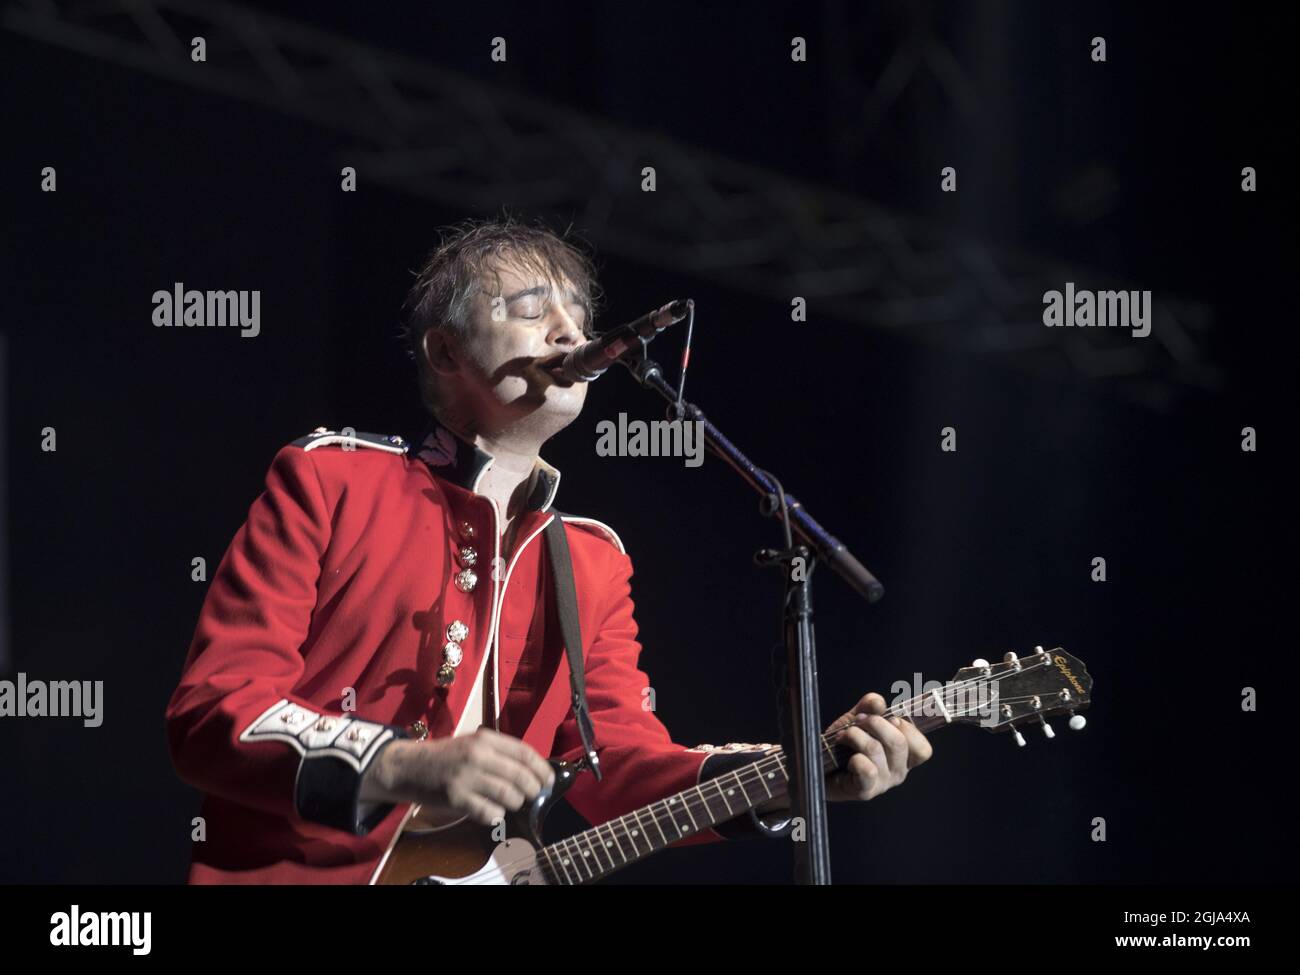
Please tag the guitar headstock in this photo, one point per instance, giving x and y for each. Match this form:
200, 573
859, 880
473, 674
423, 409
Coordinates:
1021, 690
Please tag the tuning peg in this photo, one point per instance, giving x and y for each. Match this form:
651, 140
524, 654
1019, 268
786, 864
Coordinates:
979, 662
1039, 649
1047, 729
1012, 659
1020, 739
1077, 722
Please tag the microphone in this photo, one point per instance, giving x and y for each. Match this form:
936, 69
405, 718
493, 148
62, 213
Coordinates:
590, 360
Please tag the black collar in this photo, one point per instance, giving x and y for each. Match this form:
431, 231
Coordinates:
462, 463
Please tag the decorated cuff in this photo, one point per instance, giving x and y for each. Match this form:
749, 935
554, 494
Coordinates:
729, 758
336, 751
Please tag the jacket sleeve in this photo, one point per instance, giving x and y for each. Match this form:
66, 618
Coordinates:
639, 761
235, 726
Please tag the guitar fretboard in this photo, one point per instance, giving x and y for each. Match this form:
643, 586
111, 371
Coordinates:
995, 696
601, 850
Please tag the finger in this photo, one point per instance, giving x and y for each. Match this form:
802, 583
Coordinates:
497, 790
506, 768
463, 798
840, 723
495, 754
864, 776
919, 748
872, 703
864, 744
525, 754
483, 812
892, 739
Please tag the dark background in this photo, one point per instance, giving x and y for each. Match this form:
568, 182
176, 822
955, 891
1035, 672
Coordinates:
1130, 169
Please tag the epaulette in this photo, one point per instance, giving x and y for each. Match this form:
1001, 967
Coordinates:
598, 528
321, 437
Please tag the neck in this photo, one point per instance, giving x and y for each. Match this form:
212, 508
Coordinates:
508, 483
514, 460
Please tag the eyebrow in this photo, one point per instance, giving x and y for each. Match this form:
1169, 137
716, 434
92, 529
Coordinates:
538, 289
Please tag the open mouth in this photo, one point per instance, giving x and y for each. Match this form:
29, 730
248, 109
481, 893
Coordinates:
553, 367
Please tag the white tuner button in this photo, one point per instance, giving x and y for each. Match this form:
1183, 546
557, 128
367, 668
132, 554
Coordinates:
1020, 739
1039, 649
1047, 730
979, 662
1077, 722
1009, 657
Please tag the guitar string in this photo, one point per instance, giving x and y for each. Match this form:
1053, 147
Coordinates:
693, 800
777, 754
760, 767
571, 863
902, 708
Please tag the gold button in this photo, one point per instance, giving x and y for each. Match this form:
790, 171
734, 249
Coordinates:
466, 529
452, 654
419, 730
457, 631
466, 580
446, 674
468, 555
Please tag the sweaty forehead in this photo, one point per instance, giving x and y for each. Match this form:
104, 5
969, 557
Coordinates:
501, 278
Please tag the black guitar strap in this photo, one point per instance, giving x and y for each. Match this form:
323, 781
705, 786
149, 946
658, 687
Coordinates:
566, 605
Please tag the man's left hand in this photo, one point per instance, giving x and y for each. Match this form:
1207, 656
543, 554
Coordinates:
885, 749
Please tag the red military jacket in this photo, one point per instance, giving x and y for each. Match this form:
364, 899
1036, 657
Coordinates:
325, 626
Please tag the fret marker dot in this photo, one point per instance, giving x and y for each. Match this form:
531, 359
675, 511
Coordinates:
634, 832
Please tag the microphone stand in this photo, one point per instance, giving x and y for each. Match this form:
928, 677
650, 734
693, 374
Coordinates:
801, 725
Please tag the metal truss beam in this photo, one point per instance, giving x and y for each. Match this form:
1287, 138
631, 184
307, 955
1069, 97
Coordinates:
465, 144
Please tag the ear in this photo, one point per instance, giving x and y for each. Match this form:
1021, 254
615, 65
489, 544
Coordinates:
439, 351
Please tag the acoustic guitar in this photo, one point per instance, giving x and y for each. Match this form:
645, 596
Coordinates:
428, 849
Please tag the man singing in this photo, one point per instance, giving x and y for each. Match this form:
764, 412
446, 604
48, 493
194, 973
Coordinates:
382, 630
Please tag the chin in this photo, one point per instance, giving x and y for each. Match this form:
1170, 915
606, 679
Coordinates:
561, 406
551, 408
569, 398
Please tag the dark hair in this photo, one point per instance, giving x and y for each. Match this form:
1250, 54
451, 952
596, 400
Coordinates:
453, 274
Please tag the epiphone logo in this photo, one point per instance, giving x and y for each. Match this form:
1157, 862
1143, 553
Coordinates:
1065, 670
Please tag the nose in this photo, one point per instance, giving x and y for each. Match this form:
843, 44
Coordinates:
564, 331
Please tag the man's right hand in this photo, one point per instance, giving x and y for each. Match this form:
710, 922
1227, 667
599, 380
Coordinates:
481, 774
